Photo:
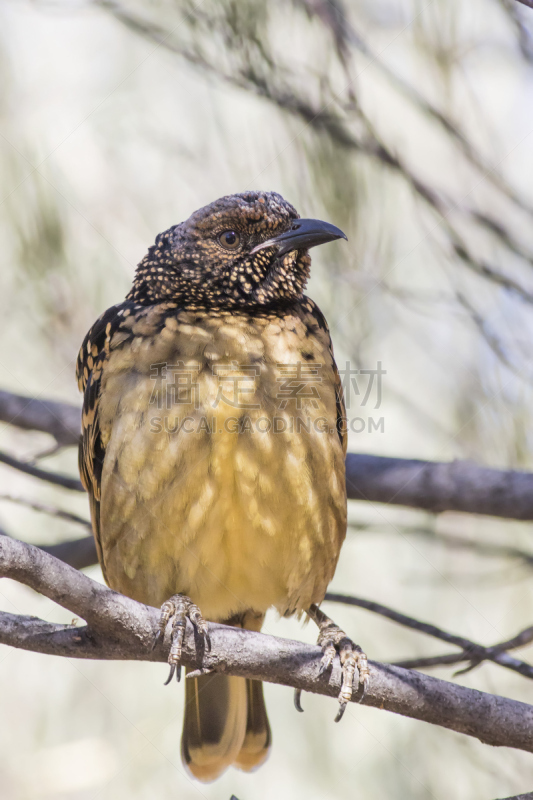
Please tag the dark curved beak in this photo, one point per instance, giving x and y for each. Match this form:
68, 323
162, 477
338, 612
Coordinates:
304, 233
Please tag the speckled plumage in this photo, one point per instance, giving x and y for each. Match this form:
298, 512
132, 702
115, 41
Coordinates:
237, 521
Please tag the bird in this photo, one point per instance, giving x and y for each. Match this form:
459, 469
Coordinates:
212, 450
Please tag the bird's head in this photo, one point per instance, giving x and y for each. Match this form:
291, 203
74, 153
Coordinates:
247, 249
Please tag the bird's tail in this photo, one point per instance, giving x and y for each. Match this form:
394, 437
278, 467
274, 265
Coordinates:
225, 723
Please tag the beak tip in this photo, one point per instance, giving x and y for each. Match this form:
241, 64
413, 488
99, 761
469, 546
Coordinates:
304, 234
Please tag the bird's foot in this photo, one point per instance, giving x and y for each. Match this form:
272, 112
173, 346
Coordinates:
333, 640
177, 609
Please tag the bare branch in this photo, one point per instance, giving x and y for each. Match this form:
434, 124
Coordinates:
81, 553
437, 487
68, 516
520, 640
333, 15
60, 420
99, 606
77, 553
273, 87
471, 651
120, 628
437, 536
449, 659
42, 474
523, 35
528, 3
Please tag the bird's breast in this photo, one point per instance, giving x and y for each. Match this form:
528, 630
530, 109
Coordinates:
224, 472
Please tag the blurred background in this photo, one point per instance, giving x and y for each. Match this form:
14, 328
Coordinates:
408, 124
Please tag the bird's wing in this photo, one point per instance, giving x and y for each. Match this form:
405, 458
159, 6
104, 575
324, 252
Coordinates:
342, 427
90, 365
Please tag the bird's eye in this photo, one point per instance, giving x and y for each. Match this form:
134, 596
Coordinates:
230, 240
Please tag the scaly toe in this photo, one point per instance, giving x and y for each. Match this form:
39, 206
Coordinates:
178, 608
333, 640
329, 652
364, 675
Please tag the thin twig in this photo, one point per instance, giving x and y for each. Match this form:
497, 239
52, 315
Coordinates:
334, 17
449, 659
453, 541
324, 120
68, 516
520, 640
471, 651
60, 420
42, 474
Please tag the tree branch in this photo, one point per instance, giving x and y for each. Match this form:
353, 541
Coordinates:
259, 78
485, 653
81, 553
450, 540
60, 420
432, 486
470, 651
120, 628
437, 487
42, 474
529, 795
68, 516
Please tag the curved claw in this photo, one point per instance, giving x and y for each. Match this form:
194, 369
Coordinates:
156, 639
364, 689
326, 663
179, 608
334, 641
340, 712
298, 700
170, 674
